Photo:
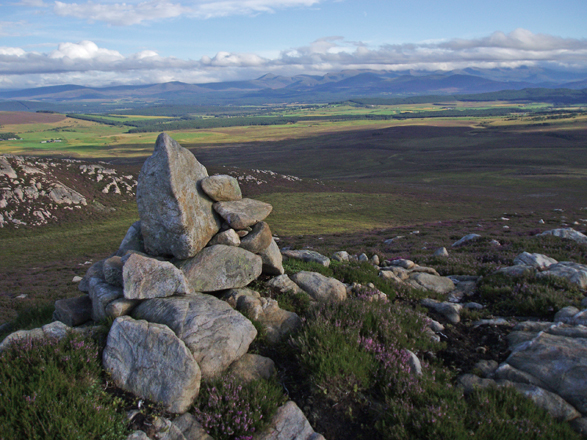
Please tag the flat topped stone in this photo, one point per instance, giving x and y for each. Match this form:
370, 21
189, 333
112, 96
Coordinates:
307, 256
319, 287
222, 188
467, 239
221, 267
176, 215
537, 261
241, 214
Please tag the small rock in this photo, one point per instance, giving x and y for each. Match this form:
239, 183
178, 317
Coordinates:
319, 287
467, 239
441, 252
252, 367
222, 188
73, 311
487, 367
229, 238
448, 310
307, 256
76, 279
240, 214
341, 256
258, 239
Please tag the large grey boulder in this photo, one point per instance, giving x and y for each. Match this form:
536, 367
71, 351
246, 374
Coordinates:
574, 272
258, 239
222, 188
437, 284
102, 294
537, 261
73, 311
221, 267
272, 259
132, 241
146, 278
319, 287
241, 214
216, 334
289, 423
568, 233
558, 362
308, 256
176, 215
555, 405
150, 361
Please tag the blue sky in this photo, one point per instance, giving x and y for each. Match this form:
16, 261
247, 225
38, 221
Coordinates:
104, 42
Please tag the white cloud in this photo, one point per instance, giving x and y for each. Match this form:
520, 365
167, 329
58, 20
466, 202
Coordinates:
87, 63
120, 14
131, 13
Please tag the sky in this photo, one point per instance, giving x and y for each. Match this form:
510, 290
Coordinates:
112, 42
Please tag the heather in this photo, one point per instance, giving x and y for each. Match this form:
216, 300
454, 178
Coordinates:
55, 389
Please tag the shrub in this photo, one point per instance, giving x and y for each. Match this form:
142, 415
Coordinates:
228, 409
52, 389
528, 295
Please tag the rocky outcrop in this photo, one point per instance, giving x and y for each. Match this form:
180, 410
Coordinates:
177, 218
568, 233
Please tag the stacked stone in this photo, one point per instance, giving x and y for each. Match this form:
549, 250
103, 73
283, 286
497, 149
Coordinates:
197, 240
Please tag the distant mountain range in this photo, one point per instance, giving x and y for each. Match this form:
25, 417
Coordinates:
308, 88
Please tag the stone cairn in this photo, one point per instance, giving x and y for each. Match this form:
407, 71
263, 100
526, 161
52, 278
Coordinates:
173, 287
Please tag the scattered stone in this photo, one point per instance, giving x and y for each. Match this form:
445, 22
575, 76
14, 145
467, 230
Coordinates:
391, 240
375, 260
138, 435
287, 424
537, 261
185, 427
252, 367
487, 367
414, 364
307, 256
150, 361
341, 256
435, 325
121, 307
221, 267
216, 334
574, 272
243, 213
222, 188
471, 382
568, 233
73, 311
319, 287
448, 310
363, 258
494, 321
441, 252
404, 264
566, 314
434, 283
466, 240
177, 219
146, 278
516, 271
76, 279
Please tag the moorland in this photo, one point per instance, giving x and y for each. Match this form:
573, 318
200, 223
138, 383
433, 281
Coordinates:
369, 170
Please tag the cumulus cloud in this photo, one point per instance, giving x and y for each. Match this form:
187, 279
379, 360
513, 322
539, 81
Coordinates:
131, 13
87, 63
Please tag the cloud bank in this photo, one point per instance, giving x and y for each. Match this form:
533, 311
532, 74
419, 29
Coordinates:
132, 13
86, 63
